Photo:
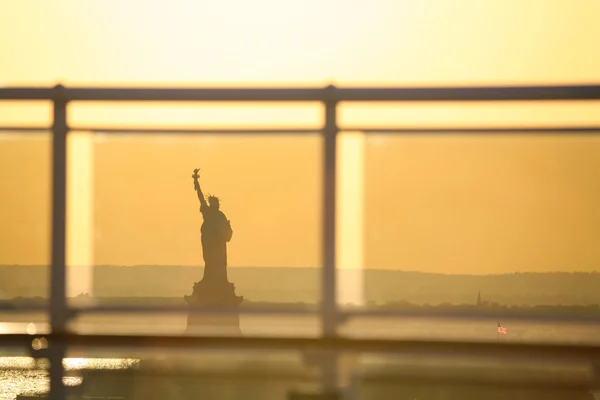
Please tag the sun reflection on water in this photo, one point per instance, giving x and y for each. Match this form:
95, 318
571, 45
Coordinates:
25, 375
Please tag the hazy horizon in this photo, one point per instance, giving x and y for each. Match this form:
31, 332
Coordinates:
574, 271
293, 285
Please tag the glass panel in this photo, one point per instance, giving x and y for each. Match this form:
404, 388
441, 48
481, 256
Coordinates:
190, 373
145, 238
482, 224
252, 373
426, 376
158, 373
479, 206
25, 212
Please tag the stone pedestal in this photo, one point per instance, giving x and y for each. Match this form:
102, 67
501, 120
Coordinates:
213, 294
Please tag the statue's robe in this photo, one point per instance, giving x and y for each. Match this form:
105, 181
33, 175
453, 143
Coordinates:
215, 232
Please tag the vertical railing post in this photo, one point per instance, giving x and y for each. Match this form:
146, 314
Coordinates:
58, 311
328, 284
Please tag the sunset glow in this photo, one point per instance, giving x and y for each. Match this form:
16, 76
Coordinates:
453, 205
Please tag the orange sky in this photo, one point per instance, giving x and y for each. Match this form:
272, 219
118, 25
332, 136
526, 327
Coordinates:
454, 205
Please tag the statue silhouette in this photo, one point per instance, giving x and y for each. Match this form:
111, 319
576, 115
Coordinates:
215, 233
214, 290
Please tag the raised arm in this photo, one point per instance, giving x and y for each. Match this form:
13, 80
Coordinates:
200, 195
197, 188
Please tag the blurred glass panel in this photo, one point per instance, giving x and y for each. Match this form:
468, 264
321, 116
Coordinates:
483, 225
253, 373
145, 231
191, 373
482, 205
434, 377
25, 212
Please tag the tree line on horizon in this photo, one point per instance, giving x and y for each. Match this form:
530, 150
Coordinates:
297, 285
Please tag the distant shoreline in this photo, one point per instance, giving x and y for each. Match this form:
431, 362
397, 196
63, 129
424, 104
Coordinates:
313, 268
483, 308
303, 285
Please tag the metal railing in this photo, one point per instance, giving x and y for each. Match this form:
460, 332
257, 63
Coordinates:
329, 97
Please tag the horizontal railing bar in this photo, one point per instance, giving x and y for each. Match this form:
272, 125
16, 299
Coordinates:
26, 129
262, 374
239, 131
23, 310
163, 94
563, 130
499, 93
548, 384
446, 315
27, 93
449, 315
501, 349
192, 94
412, 378
116, 309
191, 310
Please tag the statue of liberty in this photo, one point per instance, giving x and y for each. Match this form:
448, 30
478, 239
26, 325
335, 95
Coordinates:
215, 233
214, 290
